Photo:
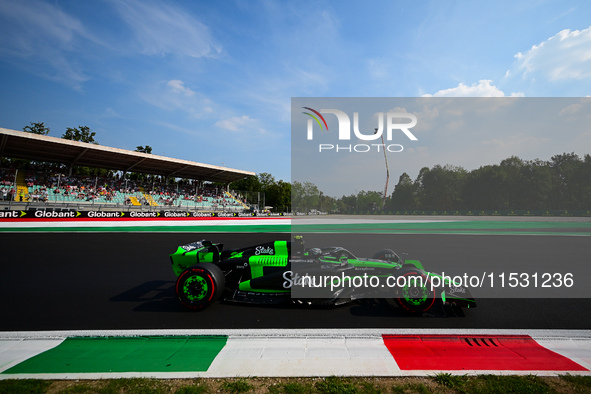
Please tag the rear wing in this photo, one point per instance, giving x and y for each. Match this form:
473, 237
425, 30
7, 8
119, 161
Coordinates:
203, 251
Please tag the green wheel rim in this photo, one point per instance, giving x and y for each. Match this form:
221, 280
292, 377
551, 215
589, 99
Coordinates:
415, 295
195, 288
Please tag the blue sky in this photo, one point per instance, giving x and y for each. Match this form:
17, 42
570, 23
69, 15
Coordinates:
212, 81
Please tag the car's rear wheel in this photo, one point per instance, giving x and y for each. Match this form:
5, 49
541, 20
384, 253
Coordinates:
415, 295
200, 286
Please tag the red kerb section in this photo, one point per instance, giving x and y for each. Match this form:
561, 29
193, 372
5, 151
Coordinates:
475, 352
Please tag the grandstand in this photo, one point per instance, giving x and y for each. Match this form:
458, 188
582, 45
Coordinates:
204, 186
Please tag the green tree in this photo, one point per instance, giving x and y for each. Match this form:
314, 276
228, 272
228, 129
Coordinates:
535, 182
404, 195
441, 187
264, 187
80, 133
297, 195
349, 204
250, 184
485, 189
564, 167
37, 128
249, 188
144, 149
369, 201
512, 169
278, 196
328, 204
305, 197
265, 180
581, 183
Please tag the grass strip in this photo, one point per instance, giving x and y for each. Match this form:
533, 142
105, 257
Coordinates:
440, 383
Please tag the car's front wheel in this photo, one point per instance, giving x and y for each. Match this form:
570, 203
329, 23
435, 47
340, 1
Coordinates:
415, 294
200, 286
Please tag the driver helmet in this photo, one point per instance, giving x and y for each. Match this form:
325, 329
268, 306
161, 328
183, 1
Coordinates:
315, 251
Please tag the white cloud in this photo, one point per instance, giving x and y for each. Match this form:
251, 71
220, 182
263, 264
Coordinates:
162, 29
484, 88
571, 109
109, 112
236, 123
26, 23
567, 55
174, 95
178, 86
579, 109
40, 37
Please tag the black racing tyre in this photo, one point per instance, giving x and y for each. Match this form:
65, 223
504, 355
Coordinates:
386, 255
416, 294
200, 286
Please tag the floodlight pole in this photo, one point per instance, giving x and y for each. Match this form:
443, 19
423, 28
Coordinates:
387, 169
15, 186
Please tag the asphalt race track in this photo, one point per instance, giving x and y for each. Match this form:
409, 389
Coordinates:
99, 281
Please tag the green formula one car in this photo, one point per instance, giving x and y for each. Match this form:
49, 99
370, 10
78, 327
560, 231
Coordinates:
275, 272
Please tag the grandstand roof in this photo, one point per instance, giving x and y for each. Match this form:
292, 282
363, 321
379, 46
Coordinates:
22, 145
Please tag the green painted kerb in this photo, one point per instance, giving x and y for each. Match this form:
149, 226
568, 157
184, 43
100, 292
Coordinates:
121, 354
453, 227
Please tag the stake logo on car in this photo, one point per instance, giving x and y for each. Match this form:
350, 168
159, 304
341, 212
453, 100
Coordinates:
262, 250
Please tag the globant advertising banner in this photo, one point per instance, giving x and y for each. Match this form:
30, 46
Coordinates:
32, 214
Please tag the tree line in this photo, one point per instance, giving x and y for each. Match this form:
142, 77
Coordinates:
561, 183
80, 133
263, 190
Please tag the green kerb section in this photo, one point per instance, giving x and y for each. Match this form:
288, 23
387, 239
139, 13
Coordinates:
457, 227
120, 354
